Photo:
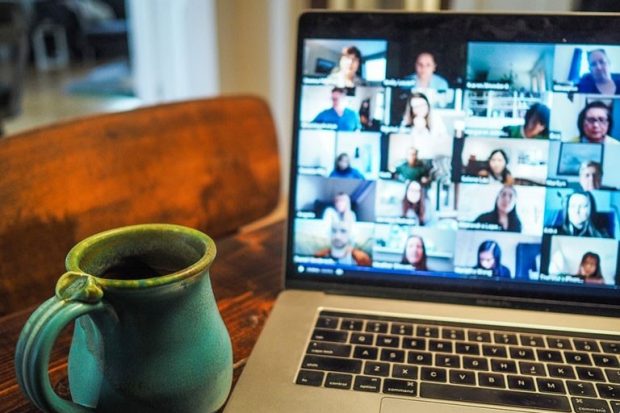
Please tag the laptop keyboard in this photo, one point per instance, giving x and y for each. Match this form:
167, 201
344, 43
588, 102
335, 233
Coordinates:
523, 368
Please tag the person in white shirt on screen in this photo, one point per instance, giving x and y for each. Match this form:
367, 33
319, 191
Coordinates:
428, 131
346, 74
341, 211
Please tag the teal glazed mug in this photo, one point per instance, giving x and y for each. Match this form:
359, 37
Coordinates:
148, 334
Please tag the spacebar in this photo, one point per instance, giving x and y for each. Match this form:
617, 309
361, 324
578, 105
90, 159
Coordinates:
496, 397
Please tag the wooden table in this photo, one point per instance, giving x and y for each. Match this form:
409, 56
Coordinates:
246, 277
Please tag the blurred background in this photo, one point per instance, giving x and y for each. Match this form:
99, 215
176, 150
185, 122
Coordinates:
61, 59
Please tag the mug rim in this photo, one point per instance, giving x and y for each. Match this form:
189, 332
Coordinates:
72, 262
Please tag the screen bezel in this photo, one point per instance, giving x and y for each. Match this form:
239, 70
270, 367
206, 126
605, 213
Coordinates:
565, 28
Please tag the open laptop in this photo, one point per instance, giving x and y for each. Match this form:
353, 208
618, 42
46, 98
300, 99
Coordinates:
454, 219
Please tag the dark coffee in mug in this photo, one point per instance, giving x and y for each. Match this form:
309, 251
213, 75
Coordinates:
136, 267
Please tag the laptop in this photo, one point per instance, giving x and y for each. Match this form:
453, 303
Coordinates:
454, 219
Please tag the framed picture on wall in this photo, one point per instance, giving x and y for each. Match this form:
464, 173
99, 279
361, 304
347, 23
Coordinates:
573, 154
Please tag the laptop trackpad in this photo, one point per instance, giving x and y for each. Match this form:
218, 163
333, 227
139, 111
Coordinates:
389, 405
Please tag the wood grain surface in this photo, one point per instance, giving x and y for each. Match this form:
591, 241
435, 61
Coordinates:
209, 164
246, 277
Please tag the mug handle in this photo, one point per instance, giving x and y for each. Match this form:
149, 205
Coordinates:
77, 294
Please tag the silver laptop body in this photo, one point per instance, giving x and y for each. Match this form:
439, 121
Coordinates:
454, 184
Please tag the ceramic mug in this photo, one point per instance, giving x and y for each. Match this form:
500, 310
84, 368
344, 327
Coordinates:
148, 334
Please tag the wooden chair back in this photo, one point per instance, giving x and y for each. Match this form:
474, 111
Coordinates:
209, 164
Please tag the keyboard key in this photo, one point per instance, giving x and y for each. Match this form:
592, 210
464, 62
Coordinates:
447, 360
521, 353
520, 383
475, 363
532, 369
590, 373
468, 348
462, 377
440, 346
578, 388
376, 327
504, 366
561, 371
366, 353
372, 368
550, 386
420, 357
608, 391
310, 377
404, 371
491, 380
327, 322
532, 340
495, 396
403, 387
505, 338
329, 349
388, 341
603, 360
433, 374
360, 338
582, 405
494, 351
336, 364
338, 381
365, 383
615, 406
586, 345
329, 335
479, 336
610, 347
550, 356
414, 343
559, 343
427, 331
577, 358
352, 325
613, 375
402, 329
453, 333
395, 356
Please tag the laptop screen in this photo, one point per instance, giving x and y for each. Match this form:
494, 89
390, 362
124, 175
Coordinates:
458, 152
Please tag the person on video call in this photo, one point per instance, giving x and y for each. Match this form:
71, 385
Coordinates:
425, 76
536, 124
341, 247
416, 205
594, 123
579, 213
428, 131
412, 169
590, 269
343, 168
346, 74
590, 175
415, 253
344, 118
504, 214
496, 168
600, 79
490, 258
341, 211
